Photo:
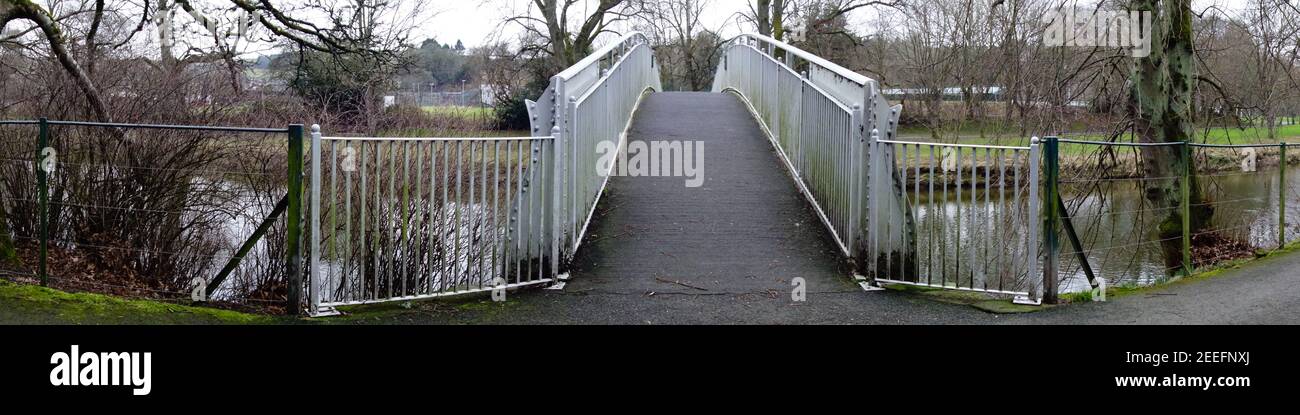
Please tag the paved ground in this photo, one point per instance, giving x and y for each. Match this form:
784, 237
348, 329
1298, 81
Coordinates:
746, 230
1265, 291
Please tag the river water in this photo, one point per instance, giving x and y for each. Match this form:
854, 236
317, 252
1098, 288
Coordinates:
1117, 226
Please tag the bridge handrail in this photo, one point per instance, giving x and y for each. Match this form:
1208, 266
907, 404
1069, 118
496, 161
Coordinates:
584, 105
847, 74
633, 38
827, 124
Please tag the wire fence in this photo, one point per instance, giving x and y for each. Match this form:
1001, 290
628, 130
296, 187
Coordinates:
1141, 214
156, 211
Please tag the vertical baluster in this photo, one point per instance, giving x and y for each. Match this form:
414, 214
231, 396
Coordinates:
434, 226
471, 235
480, 235
445, 220
459, 221
1017, 213
957, 228
988, 212
497, 269
334, 221
931, 223
1001, 225
943, 223
916, 209
405, 254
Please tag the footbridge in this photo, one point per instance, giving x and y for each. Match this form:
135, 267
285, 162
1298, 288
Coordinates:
787, 173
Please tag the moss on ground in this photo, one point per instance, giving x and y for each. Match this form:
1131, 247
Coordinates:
31, 304
980, 301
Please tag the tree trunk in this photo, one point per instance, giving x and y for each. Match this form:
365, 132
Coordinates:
1162, 97
778, 19
763, 8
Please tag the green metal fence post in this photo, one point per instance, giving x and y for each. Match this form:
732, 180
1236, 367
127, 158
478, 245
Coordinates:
43, 198
1186, 187
293, 220
1051, 217
1281, 198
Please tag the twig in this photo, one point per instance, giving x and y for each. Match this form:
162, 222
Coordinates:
680, 283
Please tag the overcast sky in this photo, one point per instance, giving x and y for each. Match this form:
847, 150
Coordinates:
476, 21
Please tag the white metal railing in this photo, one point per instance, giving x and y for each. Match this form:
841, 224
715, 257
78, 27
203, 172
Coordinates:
976, 209
410, 218
822, 120
835, 132
496, 212
586, 104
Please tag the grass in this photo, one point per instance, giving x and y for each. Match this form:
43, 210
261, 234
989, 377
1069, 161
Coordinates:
1217, 135
458, 111
454, 133
31, 304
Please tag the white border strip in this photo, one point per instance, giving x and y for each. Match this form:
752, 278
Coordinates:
592, 212
436, 295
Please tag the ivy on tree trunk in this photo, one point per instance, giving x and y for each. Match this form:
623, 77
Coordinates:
1162, 102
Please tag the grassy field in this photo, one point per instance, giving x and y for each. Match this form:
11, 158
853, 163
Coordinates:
970, 134
458, 111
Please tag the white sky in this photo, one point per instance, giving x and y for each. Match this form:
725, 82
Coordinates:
476, 21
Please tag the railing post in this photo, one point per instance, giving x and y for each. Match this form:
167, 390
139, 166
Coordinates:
872, 180
559, 176
1281, 197
293, 221
857, 139
314, 283
1185, 188
43, 198
1051, 217
1031, 246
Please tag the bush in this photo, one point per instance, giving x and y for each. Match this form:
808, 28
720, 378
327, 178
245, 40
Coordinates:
512, 113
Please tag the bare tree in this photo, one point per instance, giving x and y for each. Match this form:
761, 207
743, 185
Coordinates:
689, 50
327, 34
549, 27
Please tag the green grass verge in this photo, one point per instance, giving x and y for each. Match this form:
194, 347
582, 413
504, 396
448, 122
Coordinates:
1204, 273
458, 111
31, 304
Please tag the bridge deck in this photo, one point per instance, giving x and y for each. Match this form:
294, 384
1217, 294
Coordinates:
745, 230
